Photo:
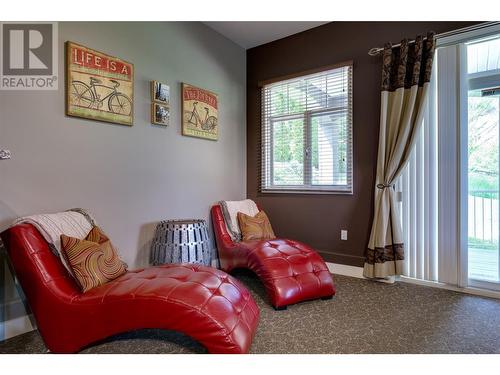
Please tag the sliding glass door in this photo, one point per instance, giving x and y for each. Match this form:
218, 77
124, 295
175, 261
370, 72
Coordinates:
449, 191
482, 167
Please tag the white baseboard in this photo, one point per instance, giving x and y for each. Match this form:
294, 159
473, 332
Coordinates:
15, 327
342, 269
353, 271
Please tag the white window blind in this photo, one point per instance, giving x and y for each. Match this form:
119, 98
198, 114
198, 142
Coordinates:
419, 187
307, 133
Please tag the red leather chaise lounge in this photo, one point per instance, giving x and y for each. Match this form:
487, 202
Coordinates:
290, 270
202, 302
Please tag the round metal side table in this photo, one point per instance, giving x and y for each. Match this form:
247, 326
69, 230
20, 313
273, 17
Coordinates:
181, 241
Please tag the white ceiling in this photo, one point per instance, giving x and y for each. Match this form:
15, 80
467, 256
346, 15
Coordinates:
254, 33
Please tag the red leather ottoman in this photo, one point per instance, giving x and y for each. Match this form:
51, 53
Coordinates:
290, 270
202, 302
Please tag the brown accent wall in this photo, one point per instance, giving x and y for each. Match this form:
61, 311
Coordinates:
318, 219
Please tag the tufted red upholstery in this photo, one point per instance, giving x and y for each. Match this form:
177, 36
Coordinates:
290, 270
202, 302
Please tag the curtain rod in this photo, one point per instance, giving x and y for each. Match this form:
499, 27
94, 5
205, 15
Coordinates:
377, 50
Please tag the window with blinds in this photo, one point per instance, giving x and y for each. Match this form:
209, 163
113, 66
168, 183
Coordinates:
307, 133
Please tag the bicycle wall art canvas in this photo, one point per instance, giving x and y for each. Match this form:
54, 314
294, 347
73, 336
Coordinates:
199, 113
98, 86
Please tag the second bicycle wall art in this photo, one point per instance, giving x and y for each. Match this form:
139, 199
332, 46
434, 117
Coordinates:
199, 113
98, 86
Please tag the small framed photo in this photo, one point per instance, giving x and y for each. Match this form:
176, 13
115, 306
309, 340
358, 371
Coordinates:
160, 114
160, 92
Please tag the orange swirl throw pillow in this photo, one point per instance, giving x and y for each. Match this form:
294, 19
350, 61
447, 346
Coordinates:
94, 260
257, 227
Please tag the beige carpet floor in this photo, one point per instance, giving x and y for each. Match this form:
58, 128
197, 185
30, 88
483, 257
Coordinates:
364, 317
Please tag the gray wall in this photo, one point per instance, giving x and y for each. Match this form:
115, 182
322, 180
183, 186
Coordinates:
129, 177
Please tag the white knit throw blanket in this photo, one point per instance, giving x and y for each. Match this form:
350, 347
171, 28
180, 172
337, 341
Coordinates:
230, 211
73, 223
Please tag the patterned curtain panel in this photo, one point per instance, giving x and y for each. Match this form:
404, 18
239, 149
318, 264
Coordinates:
405, 82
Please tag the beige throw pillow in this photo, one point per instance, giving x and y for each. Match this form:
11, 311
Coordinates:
257, 227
